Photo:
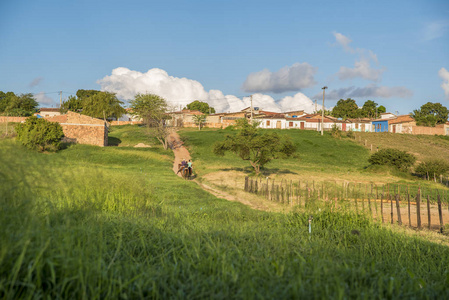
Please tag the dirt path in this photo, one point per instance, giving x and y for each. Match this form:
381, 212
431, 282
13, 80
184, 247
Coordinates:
181, 152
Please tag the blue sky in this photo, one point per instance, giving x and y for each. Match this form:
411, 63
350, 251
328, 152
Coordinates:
393, 52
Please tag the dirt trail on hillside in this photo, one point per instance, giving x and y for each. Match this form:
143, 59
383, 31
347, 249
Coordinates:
181, 152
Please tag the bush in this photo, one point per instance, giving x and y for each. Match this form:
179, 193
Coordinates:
335, 131
40, 134
393, 157
350, 134
432, 167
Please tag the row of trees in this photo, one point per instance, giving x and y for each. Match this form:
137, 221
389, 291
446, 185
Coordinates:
430, 114
22, 105
349, 109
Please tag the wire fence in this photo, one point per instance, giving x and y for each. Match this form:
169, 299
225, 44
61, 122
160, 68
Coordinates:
395, 203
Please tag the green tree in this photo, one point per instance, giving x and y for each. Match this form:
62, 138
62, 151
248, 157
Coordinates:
83, 94
151, 108
17, 105
102, 105
346, 109
201, 106
431, 114
73, 104
432, 168
40, 134
369, 109
381, 109
199, 120
254, 146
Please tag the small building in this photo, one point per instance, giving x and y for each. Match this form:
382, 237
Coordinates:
49, 112
82, 129
313, 122
401, 124
358, 124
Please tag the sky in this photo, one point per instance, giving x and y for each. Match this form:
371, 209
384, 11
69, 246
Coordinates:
222, 52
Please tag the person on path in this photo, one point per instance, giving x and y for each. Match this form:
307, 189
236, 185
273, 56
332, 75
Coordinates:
183, 165
189, 165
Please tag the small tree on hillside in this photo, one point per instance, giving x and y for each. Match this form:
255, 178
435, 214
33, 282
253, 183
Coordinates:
102, 105
201, 106
199, 120
253, 145
393, 157
151, 108
40, 134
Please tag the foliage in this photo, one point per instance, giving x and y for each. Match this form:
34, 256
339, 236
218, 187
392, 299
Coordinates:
369, 109
335, 131
346, 109
17, 105
151, 108
102, 105
381, 109
199, 120
432, 167
73, 104
108, 223
253, 145
350, 134
40, 134
393, 157
201, 106
431, 114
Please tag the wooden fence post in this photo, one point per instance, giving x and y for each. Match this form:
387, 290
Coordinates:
418, 208
428, 210
398, 210
391, 210
382, 207
409, 214
440, 214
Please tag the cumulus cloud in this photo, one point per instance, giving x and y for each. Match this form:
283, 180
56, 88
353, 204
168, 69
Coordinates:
444, 74
362, 66
36, 81
362, 69
41, 98
289, 78
181, 91
343, 41
368, 91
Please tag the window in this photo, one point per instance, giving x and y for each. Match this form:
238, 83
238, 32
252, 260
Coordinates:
290, 124
356, 125
268, 123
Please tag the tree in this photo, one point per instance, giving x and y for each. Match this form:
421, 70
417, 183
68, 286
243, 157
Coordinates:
199, 120
40, 134
102, 105
253, 145
381, 109
73, 104
369, 109
21, 106
431, 114
201, 106
151, 108
346, 109
393, 157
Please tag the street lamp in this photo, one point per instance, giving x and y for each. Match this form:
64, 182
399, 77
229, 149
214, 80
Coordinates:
322, 110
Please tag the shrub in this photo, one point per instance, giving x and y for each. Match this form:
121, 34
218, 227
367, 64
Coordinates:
350, 134
432, 167
335, 131
393, 157
40, 134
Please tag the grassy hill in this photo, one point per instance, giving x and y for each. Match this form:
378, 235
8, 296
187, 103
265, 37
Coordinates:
115, 222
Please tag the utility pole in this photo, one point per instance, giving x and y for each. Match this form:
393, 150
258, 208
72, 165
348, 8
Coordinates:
316, 107
322, 112
251, 109
60, 99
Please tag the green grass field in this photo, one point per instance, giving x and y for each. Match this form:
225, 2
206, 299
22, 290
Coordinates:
115, 222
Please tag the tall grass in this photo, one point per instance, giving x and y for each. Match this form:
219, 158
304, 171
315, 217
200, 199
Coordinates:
90, 223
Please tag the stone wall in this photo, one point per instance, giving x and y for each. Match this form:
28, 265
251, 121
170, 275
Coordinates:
439, 129
116, 123
12, 119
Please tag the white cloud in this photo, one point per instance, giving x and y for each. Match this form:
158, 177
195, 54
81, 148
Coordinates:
444, 74
362, 66
371, 90
289, 78
181, 91
343, 41
43, 99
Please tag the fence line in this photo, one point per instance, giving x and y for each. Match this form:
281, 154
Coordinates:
360, 196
